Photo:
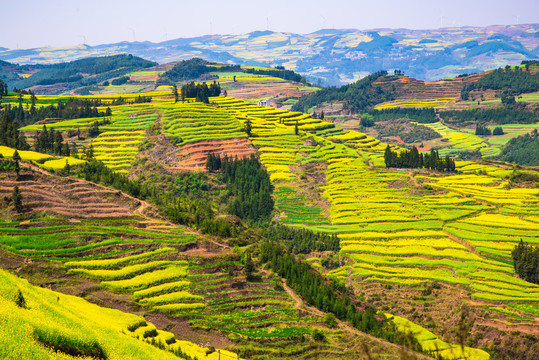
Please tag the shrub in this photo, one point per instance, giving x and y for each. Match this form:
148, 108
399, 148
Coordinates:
150, 333
20, 300
137, 325
318, 335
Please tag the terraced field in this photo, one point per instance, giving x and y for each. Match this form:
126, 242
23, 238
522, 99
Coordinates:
461, 141
118, 144
436, 103
396, 227
393, 229
269, 322
69, 197
58, 324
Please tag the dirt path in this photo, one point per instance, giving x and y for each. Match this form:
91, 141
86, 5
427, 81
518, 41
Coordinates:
462, 242
414, 180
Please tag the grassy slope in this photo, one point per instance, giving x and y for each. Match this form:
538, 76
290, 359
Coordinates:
64, 322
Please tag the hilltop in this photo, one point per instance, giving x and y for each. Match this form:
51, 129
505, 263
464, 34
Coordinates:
333, 56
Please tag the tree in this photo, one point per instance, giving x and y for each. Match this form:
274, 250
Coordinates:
67, 168
175, 93
387, 157
90, 152
248, 127
249, 266
16, 156
330, 320
16, 198
296, 128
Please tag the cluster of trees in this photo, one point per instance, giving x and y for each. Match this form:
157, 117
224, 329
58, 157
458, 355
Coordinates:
357, 97
483, 130
367, 120
50, 141
523, 149
424, 116
248, 182
9, 133
72, 109
511, 82
196, 67
187, 70
526, 261
120, 81
328, 296
193, 69
498, 116
121, 101
302, 241
280, 72
200, 91
416, 160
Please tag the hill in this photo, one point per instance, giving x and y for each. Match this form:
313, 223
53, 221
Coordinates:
57, 78
442, 114
310, 247
333, 56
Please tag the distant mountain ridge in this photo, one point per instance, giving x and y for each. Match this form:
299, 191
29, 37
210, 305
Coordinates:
332, 56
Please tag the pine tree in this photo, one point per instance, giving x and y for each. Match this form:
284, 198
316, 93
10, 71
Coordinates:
249, 266
248, 127
67, 168
387, 157
16, 156
175, 93
16, 198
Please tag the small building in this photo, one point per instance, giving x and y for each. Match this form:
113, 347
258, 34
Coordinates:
266, 102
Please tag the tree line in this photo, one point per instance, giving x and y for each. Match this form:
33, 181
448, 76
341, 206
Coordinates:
9, 133
511, 82
357, 97
328, 296
52, 142
424, 116
415, 160
483, 130
71, 109
524, 149
249, 183
498, 116
193, 69
279, 72
526, 261
201, 92
301, 241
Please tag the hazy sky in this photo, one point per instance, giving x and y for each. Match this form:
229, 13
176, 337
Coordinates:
36, 23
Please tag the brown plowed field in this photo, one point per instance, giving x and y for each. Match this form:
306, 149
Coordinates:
193, 156
410, 88
67, 196
269, 89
